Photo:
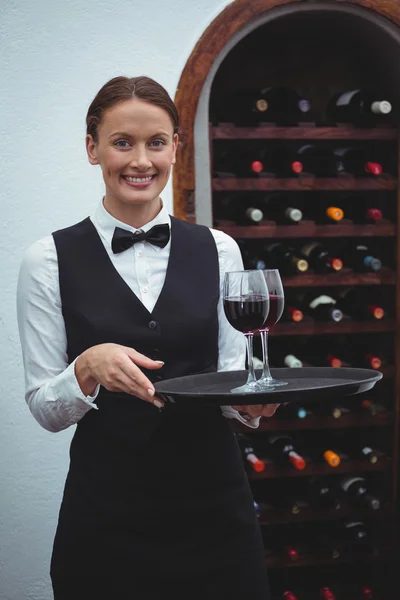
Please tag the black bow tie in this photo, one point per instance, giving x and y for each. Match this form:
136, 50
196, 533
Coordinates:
124, 239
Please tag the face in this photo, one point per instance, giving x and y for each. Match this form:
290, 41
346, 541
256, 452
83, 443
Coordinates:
135, 149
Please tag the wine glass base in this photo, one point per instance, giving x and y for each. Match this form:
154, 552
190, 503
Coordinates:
268, 384
247, 388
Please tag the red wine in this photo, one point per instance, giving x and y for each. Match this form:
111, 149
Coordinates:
246, 314
281, 105
355, 161
284, 450
361, 259
276, 304
327, 594
360, 107
317, 160
286, 259
255, 463
320, 259
356, 488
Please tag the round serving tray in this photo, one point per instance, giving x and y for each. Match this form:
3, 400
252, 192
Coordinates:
308, 383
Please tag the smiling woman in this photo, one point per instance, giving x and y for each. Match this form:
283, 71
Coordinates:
156, 502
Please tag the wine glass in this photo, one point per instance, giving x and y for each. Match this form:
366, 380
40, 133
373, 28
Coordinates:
277, 303
246, 306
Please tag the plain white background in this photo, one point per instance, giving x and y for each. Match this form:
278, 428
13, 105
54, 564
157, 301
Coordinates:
55, 57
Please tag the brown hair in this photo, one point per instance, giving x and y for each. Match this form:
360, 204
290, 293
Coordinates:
122, 88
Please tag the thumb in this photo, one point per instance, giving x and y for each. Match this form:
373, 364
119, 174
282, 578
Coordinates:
142, 360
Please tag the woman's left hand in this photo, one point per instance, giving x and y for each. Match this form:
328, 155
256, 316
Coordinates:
258, 410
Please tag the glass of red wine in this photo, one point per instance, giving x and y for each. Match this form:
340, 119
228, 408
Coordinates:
276, 305
246, 306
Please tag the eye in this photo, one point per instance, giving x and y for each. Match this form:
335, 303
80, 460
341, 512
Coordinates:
157, 143
122, 143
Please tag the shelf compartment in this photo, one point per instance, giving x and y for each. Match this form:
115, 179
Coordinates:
306, 229
273, 471
312, 514
343, 327
345, 183
346, 421
230, 131
345, 277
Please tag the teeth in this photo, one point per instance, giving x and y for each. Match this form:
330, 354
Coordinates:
139, 179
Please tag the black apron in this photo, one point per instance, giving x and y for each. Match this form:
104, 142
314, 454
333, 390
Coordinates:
156, 503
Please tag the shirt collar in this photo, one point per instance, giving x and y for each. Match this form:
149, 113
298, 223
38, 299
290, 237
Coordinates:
106, 223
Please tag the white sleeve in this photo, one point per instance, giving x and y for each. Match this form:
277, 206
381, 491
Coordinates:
231, 343
52, 391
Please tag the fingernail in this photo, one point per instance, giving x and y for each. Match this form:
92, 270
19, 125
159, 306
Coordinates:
150, 392
158, 403
160, 361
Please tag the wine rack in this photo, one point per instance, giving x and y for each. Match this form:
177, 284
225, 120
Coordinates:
300, 49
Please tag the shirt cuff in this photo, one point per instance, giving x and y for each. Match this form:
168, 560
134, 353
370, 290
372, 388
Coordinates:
69, 391
232, 413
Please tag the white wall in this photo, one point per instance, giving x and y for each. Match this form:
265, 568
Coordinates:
55, 57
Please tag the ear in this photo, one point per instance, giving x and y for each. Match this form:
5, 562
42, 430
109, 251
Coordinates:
91, 149
175, 147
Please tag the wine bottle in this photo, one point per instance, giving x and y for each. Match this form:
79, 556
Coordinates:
327, 594
361, 259
284, 358
293, 314
280, 161
240, 209
355, 533
284, 450
358, 304
373, 408
250, 259
327, 213
281, 209
289, 595
292, 553
356, 489
323, 494
285, 258
327, 547
362, 210
288, 410
360, 107
280, 105
248, 453
320, 259
357, 162
366, 593
323, 308
238, 164
257, 508
332, 458
317, 160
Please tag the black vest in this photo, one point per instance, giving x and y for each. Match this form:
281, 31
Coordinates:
99, 307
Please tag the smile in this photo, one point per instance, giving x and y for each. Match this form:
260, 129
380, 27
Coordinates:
138, 179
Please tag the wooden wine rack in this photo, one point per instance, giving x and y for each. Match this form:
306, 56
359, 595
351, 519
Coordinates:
318, 68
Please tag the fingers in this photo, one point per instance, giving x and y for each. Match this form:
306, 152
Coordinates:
142, 360
131, 380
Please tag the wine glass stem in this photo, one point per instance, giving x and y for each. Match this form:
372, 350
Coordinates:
266, 374
251, 376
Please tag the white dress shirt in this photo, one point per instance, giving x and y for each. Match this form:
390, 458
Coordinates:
52, 390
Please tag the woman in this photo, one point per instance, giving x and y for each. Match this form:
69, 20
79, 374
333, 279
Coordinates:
156, 502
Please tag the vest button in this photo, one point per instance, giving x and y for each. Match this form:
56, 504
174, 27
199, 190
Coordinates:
152, 324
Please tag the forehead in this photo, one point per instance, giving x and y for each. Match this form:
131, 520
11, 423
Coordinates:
136, 116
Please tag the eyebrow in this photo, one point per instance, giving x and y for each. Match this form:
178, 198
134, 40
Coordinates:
124, 134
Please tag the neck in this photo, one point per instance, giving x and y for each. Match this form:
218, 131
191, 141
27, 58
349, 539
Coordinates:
136, 215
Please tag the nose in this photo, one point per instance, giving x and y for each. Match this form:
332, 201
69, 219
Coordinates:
140, 159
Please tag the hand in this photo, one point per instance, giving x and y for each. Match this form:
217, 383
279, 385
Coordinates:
116, 368
258, 410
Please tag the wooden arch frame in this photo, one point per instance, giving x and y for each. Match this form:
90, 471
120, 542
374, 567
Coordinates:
194, 74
